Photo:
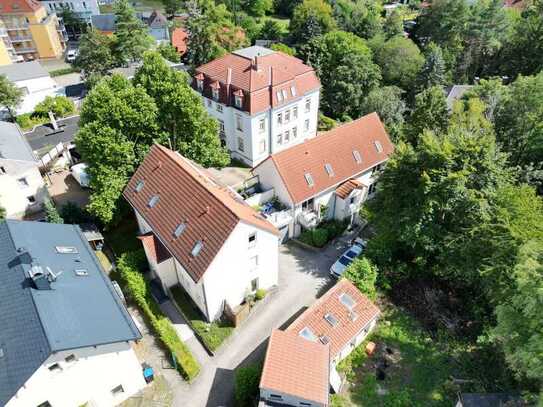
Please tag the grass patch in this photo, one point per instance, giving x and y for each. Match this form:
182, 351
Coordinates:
26, 121
62, 71
138, 289
212, 334
122, 238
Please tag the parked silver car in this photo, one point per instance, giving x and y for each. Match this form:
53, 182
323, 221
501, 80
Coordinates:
338, 268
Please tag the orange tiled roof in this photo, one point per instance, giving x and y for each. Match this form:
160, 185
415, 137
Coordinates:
154, 248
19, 6
349, 324
335, 147
347, 187
186, 195
296, 367
179, 40
260, 79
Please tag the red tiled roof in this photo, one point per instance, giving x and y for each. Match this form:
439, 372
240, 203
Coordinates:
179, 40
347, 187
19, 6
334, 147
154, 248
346, 328
186, 195
260, 79
296, 367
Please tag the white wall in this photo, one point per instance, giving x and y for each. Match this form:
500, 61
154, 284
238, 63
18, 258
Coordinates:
36, 90
355, 341
90, 378
13, 196
83, 8
251, 134
287, 399
229, 275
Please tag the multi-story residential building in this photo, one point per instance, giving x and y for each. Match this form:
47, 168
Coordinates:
200, 235
82, 9
22, 190
7, 52
265, 101
300, 364
66, 337
329, 176
34, 81
32, 33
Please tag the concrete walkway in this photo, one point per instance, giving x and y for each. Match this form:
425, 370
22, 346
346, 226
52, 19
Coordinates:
303, 277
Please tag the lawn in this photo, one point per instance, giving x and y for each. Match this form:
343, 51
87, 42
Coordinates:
214, 334
420, 369
122, 238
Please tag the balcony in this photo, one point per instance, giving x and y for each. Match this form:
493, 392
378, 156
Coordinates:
17, 27
21, 38
25, 50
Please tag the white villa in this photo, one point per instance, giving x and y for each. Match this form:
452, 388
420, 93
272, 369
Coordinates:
199, 234
265, 101
327, 177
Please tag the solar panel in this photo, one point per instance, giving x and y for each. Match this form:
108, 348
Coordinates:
347, 300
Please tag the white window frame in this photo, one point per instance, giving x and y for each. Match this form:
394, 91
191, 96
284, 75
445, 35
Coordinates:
306, 125
280, 118
262, 125
307, 105
295, 112
239, 123
238, 101
262, 146
241, 144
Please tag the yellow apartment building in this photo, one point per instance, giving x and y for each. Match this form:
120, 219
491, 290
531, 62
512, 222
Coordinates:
29, 32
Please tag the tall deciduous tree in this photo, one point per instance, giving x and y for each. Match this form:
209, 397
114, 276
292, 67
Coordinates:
95, 53
363, 274
387, 102
361, 17
433, 71
429, 113
131, 35
311, 19
344, 65
10, 95
181, 115
401, 61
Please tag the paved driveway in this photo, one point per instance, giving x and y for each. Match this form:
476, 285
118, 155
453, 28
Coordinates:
303, 277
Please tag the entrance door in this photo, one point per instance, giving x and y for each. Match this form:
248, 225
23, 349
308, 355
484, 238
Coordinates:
254, 284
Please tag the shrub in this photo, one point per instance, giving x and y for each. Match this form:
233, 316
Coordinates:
260, 294
61, 106
62, 71
138, 289
320, 237
246, 385
362, 273
27, 121
73, 214
51, 213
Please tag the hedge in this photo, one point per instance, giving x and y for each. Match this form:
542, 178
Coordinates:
322, 234
246, 385
128, 266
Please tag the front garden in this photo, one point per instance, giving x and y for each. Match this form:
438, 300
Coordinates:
61, 107
324, 233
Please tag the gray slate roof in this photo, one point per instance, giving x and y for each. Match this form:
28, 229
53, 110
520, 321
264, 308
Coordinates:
77, 312
23, 71
43, 138
104, 22
13, 145
490, 400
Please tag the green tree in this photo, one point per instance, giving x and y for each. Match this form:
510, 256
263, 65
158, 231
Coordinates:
344, 65
168, 52
51, 213
393, 25
246, 385
433, 71
180, 112
491, 92
95, 53
131, 35
285, 49
61, 106
310, 19
361, 17
118, 124
429, 113
10, 95
72, 22
387, 102
363, 274
171, 7
271, 30
259, 8
400, 61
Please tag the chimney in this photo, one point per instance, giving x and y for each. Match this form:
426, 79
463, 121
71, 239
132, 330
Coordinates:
229, 76
257, 64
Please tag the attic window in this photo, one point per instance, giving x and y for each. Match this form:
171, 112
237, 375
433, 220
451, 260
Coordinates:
66, 249
215, 93
306, 333
285, 95
179, 229
347, 300
329, 169
200, 84
197, 248
81, 273
357, 157
378, 146
331, 319
153, 201
309, 179
139, 185
279, 96
238, 101
293, 90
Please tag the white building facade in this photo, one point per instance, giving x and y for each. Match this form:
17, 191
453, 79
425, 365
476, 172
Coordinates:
264, 101
100, 376
83, 9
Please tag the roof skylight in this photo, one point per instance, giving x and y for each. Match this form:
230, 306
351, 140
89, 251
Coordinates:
347, 300
324, 339
308, 334
153, 201
309, 179
378, 146
331, 319
179, 229
139, 185
357, 157
66, 249
198, 246
329, 169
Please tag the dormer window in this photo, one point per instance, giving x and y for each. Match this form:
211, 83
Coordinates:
293, 90
215, 94
200, 85
238, 98
378, 146
279, 96
285, 95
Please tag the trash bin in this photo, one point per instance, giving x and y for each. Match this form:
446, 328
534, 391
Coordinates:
148, 373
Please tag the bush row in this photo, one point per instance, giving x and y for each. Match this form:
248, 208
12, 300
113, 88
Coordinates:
322, 234
128, 267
